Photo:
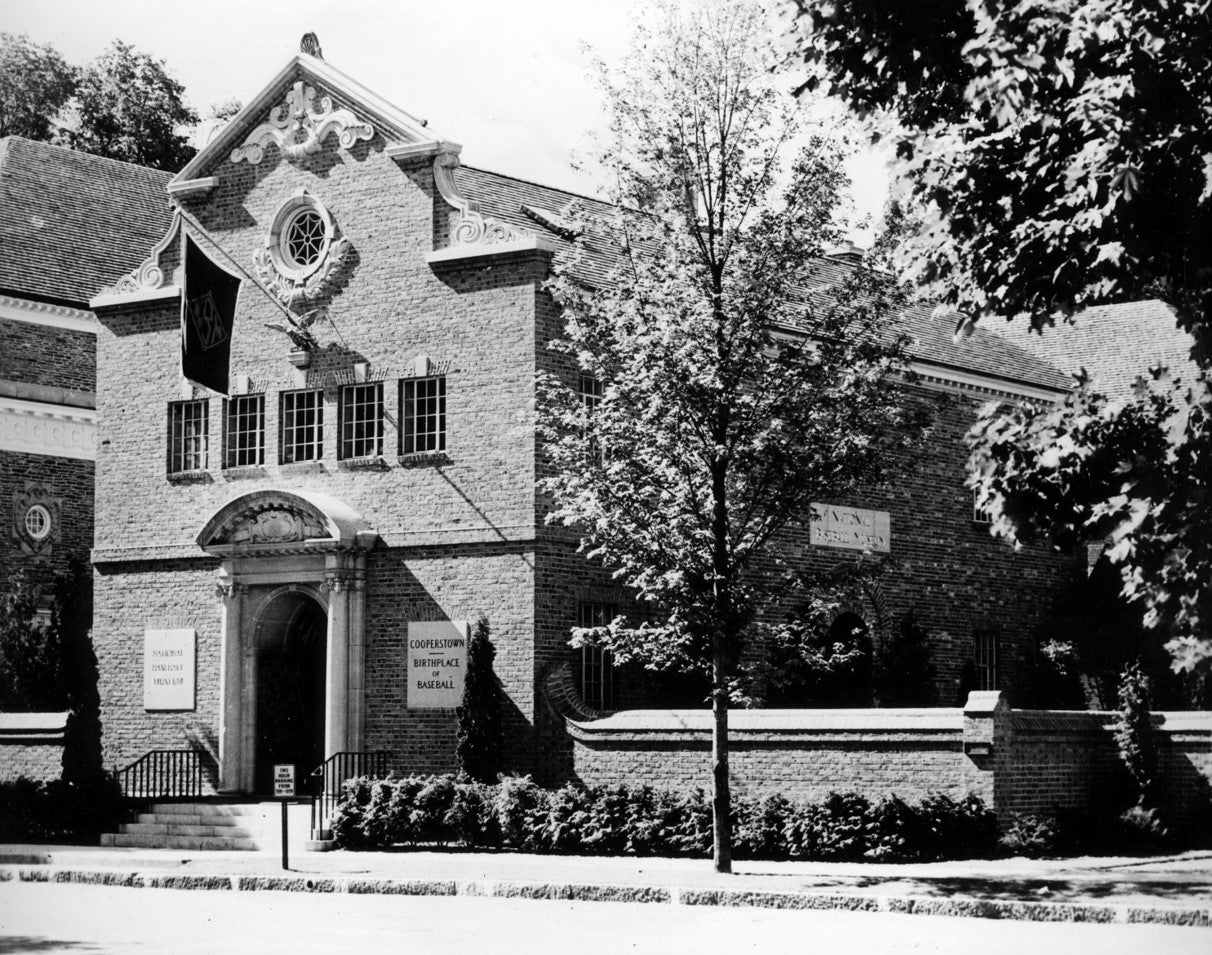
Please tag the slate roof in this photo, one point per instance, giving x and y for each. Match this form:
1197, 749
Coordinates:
1114, 343
984, 353
72, 223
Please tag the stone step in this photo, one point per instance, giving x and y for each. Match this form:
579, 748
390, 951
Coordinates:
209, 818
266, 808
163, 841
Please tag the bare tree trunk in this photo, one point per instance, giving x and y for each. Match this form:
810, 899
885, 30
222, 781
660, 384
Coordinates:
721, 793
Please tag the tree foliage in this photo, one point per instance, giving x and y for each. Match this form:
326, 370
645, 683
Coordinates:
731, 395
903, 673
35, 83
1058, 155
479, 742
128, 107
29, 653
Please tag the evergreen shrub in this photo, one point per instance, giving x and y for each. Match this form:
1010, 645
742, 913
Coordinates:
642, 820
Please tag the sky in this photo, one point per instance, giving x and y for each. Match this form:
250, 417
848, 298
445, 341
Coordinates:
508, 79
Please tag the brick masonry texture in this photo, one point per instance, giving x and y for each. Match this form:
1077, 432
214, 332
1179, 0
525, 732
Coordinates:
37, 762
40, 355
70, 482
1040, 762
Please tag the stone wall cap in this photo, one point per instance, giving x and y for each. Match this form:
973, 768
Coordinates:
924, 719
26, 728
984, 702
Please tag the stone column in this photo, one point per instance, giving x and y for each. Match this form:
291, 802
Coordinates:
231, 680
357, 692
336, 696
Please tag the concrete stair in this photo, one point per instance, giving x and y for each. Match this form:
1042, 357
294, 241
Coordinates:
217, 825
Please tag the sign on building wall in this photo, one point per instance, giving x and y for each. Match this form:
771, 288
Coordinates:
437, 660
169, 666
852, 528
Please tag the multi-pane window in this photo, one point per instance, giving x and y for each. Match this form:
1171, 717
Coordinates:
188, 436
984, 657
979, 514
422, 414
361, 421
590, 389
301, 420
597, 671
591, 392
244, 437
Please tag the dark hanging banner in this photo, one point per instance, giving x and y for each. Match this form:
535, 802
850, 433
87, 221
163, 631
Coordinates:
208, 310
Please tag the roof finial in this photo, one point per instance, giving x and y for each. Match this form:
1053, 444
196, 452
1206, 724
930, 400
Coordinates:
310, 44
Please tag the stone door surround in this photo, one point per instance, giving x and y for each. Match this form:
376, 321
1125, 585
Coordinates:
269, 542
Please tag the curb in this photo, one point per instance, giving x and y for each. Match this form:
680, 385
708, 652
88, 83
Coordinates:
1195, 917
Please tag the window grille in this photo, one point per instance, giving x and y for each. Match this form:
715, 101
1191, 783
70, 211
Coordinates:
590, 389
979, 514
591, 393
188, 436
422, 415
361, 420
984, 657
302, 423
597, 670
245, 434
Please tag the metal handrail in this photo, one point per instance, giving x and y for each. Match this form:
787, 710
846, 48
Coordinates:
329, 777
164, 774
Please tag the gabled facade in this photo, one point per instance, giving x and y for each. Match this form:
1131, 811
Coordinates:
290, 572
70, 223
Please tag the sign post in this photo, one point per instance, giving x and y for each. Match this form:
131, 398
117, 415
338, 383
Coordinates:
284, 789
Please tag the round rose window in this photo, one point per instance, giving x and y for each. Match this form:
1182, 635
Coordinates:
37, 522
304, 239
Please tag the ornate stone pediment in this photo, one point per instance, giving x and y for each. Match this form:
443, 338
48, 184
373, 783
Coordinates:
275, 526
298, 127
280, 520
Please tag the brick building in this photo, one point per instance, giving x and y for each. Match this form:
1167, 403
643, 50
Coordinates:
290, 572
69, 222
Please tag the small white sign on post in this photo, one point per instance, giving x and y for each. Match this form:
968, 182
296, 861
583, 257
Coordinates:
284, 780
437, 662
169, 667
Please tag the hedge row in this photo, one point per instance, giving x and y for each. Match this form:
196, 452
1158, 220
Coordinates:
57, 810
640, 820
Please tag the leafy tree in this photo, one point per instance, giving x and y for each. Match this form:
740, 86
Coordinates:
903, 674
1057, 155
29, 653
35, 82
815, 663
128, 107
479, 741
730, 397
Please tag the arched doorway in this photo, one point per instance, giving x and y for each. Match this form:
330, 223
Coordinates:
290, 685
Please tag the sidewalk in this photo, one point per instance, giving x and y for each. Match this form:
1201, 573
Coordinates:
1174, 890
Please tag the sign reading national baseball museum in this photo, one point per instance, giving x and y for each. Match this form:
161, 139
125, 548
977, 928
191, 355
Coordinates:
437, 661
851, 527
168, 669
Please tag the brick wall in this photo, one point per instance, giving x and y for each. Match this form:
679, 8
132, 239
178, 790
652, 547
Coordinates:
1025, 761
41, 355
70, 483
40, 762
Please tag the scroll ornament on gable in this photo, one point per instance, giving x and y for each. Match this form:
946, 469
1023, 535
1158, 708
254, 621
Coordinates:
298, 128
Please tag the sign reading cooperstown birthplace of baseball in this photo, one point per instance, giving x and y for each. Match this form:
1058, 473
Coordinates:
437, 661
169, 667
851, 527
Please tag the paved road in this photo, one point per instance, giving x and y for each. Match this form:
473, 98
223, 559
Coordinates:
91, 919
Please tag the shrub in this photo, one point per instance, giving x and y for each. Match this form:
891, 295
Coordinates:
1134, 732
74, 811
642, 820
903, 674
1030, 836
479, 742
